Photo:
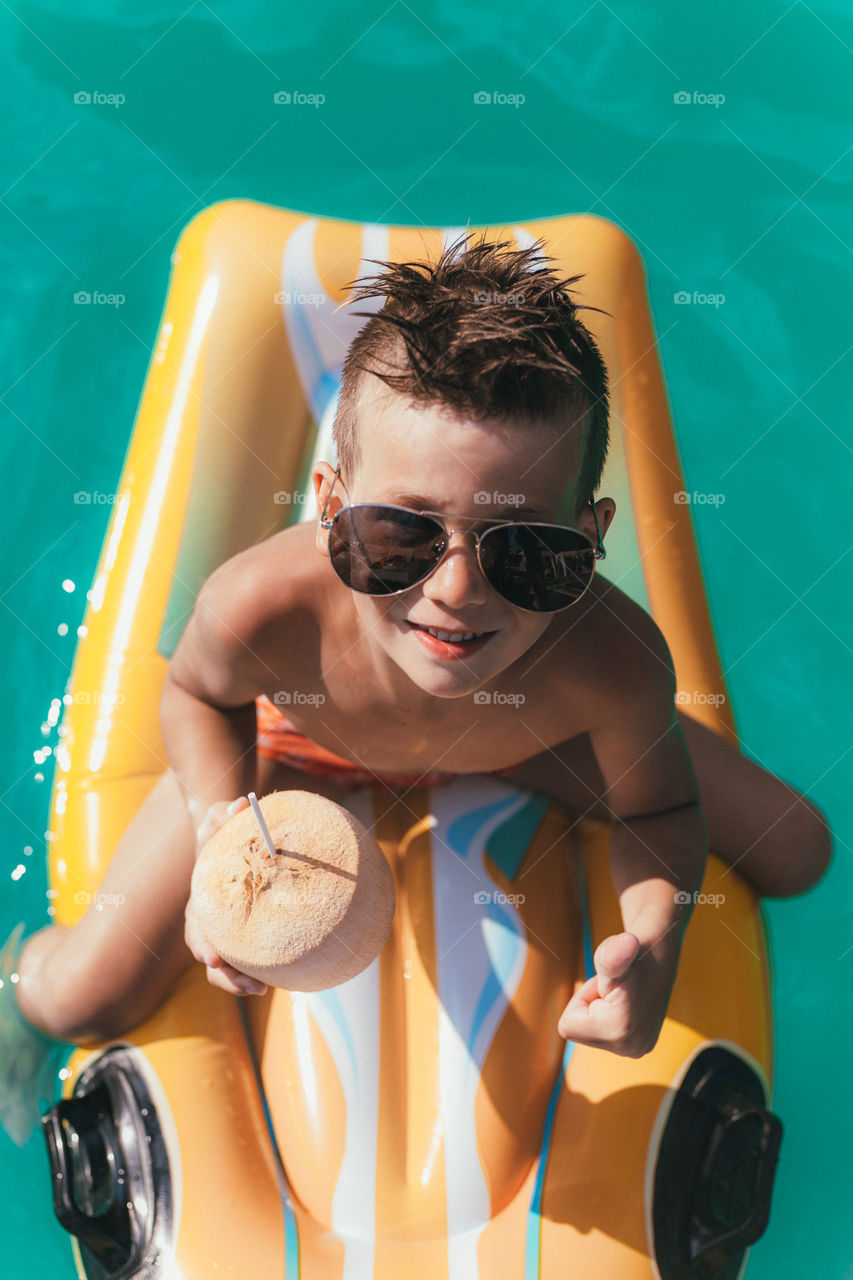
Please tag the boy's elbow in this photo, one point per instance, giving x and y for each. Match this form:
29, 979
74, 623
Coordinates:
818, 845
809, 851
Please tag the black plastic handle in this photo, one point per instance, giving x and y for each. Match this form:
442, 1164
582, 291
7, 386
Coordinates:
744, 1144
107, 1231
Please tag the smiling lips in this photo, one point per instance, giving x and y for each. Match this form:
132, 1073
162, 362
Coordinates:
454, 636
450, 644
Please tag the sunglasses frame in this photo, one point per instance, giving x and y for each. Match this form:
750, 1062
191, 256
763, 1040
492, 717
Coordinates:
599, 552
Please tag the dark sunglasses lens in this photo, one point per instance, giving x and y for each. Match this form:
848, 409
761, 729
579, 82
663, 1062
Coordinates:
380, 550
542, 568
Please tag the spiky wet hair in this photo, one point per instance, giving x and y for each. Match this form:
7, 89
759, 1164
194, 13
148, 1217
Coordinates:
488, 330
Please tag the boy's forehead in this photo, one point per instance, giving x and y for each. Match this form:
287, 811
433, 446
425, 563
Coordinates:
424, 449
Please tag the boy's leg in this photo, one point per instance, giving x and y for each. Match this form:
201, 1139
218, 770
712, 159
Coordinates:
29, 1061
107, 974
765, 829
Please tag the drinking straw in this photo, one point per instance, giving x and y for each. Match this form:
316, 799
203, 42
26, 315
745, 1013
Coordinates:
256, 809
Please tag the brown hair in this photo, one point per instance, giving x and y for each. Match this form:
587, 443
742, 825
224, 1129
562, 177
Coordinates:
489, 330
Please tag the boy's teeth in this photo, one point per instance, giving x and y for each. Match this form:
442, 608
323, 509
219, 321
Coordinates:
454, 636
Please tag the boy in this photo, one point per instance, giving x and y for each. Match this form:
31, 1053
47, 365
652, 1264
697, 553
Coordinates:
454, 558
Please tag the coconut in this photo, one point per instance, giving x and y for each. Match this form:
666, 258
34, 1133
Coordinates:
309, 917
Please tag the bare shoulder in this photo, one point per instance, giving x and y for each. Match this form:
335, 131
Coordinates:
632, 638
265, 580
613, 650
256, 606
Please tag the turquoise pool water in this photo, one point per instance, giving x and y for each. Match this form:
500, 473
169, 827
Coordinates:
747, 198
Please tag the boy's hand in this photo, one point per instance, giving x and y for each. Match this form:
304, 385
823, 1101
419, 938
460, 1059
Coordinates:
219, 974
621, 1008
216, 817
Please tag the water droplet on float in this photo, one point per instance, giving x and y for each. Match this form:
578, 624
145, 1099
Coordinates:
62, 629
19, 871
28, 848
82, 631
39, 777
68, 585
64, 1073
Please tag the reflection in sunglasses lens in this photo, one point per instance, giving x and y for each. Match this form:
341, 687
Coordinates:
380, 551
537, 568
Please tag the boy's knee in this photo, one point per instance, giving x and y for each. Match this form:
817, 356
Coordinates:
79, 1016
78, 1002
93, 1021
818, 843
808, 848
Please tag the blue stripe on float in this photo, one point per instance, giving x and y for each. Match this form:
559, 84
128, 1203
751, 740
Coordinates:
462, 830
332, 1001
508, 844
291, 1227
503, 943
533, 1239
291, 1243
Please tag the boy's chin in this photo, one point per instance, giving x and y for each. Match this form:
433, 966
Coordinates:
443, 674
456, 678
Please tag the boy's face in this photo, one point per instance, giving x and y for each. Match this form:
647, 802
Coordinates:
425, 457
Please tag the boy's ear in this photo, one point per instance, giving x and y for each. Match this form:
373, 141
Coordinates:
323, 477
605, 509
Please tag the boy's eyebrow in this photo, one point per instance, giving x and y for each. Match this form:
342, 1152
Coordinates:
426, 504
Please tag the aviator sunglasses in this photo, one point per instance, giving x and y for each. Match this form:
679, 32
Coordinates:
382, 550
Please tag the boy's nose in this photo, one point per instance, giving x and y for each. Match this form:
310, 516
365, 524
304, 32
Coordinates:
458, 579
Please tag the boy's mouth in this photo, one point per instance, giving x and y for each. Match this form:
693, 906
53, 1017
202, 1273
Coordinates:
450, 644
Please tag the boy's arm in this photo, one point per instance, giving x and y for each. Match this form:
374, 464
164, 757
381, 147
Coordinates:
657, 857
207, 709
208, 718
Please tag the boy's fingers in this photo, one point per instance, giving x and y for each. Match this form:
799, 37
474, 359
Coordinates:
595, 1023
219, 973
588, 1017
217, 815
585, 995
231, 980
196, 941
613, 958
192, 935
